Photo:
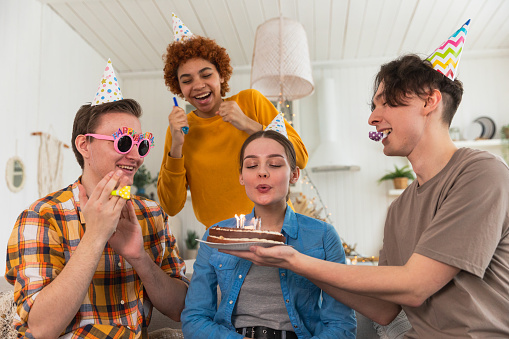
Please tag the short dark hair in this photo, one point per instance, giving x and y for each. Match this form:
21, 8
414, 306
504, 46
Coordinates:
280, 138
88, 116
178, 52
409, 75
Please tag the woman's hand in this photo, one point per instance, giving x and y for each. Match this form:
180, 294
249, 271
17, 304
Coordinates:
177, 119
230, 112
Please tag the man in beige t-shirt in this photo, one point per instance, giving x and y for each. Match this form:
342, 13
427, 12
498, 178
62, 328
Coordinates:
445, 257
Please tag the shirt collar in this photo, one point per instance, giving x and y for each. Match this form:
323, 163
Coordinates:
76, 195
290, 226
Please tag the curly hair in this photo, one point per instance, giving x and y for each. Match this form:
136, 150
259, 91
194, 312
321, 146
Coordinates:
178, 52
409, 75
87, 119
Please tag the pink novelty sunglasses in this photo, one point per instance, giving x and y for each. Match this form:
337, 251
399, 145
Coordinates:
125, 142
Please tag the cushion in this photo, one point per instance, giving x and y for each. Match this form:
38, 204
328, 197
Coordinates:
7, 312
166, 333
396, 329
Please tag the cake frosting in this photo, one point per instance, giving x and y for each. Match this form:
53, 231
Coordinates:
240, 235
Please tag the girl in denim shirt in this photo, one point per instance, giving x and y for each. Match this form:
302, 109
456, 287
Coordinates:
267, 302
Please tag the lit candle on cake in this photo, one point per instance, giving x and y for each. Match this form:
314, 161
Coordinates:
240, 220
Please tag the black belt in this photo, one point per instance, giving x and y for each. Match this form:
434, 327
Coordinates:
262, 332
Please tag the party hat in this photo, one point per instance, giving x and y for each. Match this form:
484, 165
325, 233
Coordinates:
445, 59
278, 125
108, 90
180, 31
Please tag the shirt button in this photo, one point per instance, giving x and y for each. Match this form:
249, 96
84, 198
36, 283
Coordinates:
220, 265
287, 301
122, 302
231, 302
282, 274
295, 326
240, 276
119, 264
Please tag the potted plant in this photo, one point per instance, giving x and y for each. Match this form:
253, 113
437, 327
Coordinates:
142, 179
399, 176
505, 132
191, 245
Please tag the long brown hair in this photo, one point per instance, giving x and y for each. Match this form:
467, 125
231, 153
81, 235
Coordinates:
280, 138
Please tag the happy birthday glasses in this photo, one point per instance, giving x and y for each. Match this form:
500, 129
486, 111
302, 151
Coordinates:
125, 138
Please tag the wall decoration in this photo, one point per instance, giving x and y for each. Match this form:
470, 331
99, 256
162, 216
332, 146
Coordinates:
50, 164
15, 174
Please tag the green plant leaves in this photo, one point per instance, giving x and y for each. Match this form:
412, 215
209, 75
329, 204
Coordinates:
403, 172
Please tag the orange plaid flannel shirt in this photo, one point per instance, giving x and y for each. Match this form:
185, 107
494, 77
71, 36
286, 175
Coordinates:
116, 306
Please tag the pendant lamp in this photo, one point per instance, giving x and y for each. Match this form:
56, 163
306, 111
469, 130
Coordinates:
281, 68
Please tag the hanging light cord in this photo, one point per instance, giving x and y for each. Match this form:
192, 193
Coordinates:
313, 187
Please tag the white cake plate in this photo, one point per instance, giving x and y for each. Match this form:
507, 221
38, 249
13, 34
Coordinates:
244, 246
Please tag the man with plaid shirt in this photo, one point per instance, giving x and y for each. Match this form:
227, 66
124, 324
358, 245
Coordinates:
86, 263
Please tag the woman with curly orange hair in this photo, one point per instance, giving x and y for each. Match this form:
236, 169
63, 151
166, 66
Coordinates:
198, 70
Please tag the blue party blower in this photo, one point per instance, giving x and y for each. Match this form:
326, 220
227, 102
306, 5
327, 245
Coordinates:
185, 129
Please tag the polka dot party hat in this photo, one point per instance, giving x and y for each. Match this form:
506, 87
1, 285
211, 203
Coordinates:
278, 125
108, 90
180, 31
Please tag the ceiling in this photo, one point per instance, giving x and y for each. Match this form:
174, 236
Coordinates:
135, 33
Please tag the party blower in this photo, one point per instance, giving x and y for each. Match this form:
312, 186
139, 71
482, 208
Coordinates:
185, 129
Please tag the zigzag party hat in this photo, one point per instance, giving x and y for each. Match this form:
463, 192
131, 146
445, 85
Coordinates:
278, 125
108, 90
180, 31
445, 59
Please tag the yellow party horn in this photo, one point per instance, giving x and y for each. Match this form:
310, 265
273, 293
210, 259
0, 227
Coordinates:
124, 192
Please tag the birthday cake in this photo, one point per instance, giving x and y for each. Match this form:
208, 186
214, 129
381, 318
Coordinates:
227, 235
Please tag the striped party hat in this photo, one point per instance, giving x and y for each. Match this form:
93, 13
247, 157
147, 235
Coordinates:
445, 59
108, 90
278, 125
180, 31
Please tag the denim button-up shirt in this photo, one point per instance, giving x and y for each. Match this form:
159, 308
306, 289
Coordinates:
313, 313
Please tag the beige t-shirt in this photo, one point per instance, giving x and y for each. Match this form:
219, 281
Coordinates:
460, 217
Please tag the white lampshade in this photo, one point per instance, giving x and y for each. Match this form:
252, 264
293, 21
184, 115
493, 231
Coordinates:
281, 67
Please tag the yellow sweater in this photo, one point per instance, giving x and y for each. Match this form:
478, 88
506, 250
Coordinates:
210, 163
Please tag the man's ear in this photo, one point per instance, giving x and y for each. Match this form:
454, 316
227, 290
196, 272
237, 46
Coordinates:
82, 145
294, 176
432, 101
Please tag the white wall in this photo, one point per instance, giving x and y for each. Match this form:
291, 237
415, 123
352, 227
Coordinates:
48, 72
357, 203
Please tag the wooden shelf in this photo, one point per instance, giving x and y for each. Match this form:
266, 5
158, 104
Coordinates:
482, 144
335, 168
395, 192
479, 143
